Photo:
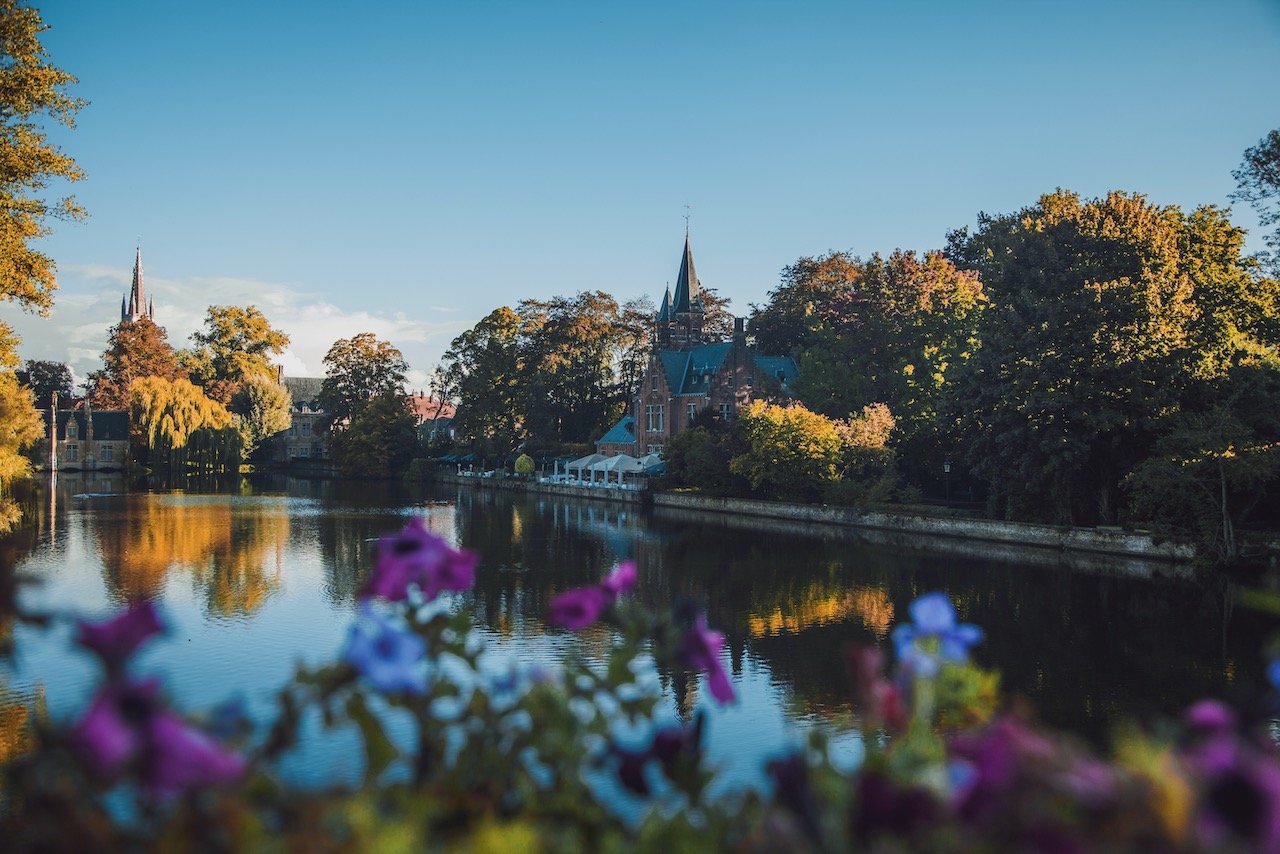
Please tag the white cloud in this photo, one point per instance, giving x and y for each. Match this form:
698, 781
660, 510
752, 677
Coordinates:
89, 304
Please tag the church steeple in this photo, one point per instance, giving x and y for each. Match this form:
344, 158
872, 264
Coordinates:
138, 305
687, 296
664, 313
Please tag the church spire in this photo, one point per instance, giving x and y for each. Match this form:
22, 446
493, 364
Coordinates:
138, 305
664, 313
687, 292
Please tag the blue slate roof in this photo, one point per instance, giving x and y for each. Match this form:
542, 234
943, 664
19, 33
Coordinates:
622, 433
781, 368
690, 371
109, 425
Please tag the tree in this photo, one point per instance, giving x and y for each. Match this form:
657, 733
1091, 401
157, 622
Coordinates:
235, 346
483, 371
1215, 458
1258, 183
20, 427
791, 453
170, 413
135, 349
45, 379
358, 369
262, 409
379, 441
31, 92
1102, 313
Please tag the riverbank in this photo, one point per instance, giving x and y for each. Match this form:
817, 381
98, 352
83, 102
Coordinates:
1094, 548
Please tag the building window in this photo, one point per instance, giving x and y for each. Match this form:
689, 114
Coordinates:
293, 429
654, 417
655, 449
653, 382
731, 380
726, 409
71, 430
304, 451
693, 412
105, 453
306, 428
73, 453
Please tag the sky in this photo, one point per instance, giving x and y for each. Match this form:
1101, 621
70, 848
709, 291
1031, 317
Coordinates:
404, 168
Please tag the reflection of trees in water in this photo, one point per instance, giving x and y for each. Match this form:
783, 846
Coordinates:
16, 712
232, 550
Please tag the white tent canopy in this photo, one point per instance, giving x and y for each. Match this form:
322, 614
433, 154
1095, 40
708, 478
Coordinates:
622, 464
584, 463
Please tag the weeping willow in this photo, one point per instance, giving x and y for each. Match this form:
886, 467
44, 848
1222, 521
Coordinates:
183, 426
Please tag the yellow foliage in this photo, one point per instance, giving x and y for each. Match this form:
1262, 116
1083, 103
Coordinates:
169, 411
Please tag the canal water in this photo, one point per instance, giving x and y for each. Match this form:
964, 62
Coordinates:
257, 576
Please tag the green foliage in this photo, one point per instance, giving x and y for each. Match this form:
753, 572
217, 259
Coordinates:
1103, 313
32, 92
550, 371
135, 349
699, 456
1258, 183
45, 379
262, 409
524, 465
357, 370
20, 428
379, 441
234, 347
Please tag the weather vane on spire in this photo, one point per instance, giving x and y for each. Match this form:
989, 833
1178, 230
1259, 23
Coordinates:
687, 209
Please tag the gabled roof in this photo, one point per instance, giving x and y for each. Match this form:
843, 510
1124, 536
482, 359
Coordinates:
622, 433
303, 389
781, 368
429, 409
109, 425
690, 371
687, 289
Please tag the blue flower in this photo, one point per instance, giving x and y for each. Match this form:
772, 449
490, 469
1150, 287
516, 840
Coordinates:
387, 656
935, 636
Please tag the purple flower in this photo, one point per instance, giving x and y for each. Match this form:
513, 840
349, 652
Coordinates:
1210, 717
791, 789
416, 556
387, 656
621, 580
117, 639
578, 608
935, 625
127, 727
701, 650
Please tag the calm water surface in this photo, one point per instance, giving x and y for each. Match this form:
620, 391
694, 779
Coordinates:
259, 577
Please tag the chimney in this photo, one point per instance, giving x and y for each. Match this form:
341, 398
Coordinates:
739, 330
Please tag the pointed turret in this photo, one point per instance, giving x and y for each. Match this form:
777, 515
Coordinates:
124, 309
687, 291
664, 313
137, 301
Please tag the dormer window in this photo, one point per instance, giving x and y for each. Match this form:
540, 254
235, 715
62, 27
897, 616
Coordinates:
72, 430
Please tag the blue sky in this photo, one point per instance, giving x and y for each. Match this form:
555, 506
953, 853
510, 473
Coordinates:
405, 167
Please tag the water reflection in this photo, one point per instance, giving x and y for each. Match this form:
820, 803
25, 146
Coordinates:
270, 573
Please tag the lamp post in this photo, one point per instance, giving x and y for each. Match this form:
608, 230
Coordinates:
946, 478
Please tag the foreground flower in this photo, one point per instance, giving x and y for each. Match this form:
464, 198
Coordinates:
878, 699
578, 608
669, 747
117, 639
126, 727
388, 657
934, 635
701, 649
415, 556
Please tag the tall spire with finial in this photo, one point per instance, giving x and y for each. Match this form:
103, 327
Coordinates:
687, 283
136, 296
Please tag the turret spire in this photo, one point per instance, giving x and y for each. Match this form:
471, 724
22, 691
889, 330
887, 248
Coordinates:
138, 305
687, 291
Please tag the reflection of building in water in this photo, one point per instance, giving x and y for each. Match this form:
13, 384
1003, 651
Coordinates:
818, 607
233, 552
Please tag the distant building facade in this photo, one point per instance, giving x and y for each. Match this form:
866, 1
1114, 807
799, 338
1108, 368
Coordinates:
304, 439
687, 374
87, 440
434, 418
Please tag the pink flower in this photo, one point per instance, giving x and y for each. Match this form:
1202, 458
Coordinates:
415, 556
578, 608
126, 727
621, 580
117, 639
701, 649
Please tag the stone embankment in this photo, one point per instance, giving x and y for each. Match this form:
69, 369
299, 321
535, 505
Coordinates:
1094, 548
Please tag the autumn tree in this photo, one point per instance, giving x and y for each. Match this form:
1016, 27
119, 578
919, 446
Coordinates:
1102, 314
172, 413
135, 349
32, 92
46, 379
235, 345
20, 427
791, 452
379, 441
262, 409
1258, 183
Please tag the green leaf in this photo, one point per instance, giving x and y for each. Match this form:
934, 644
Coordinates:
379, 752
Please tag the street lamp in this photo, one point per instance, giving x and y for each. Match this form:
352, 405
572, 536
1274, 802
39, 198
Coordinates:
946, 478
